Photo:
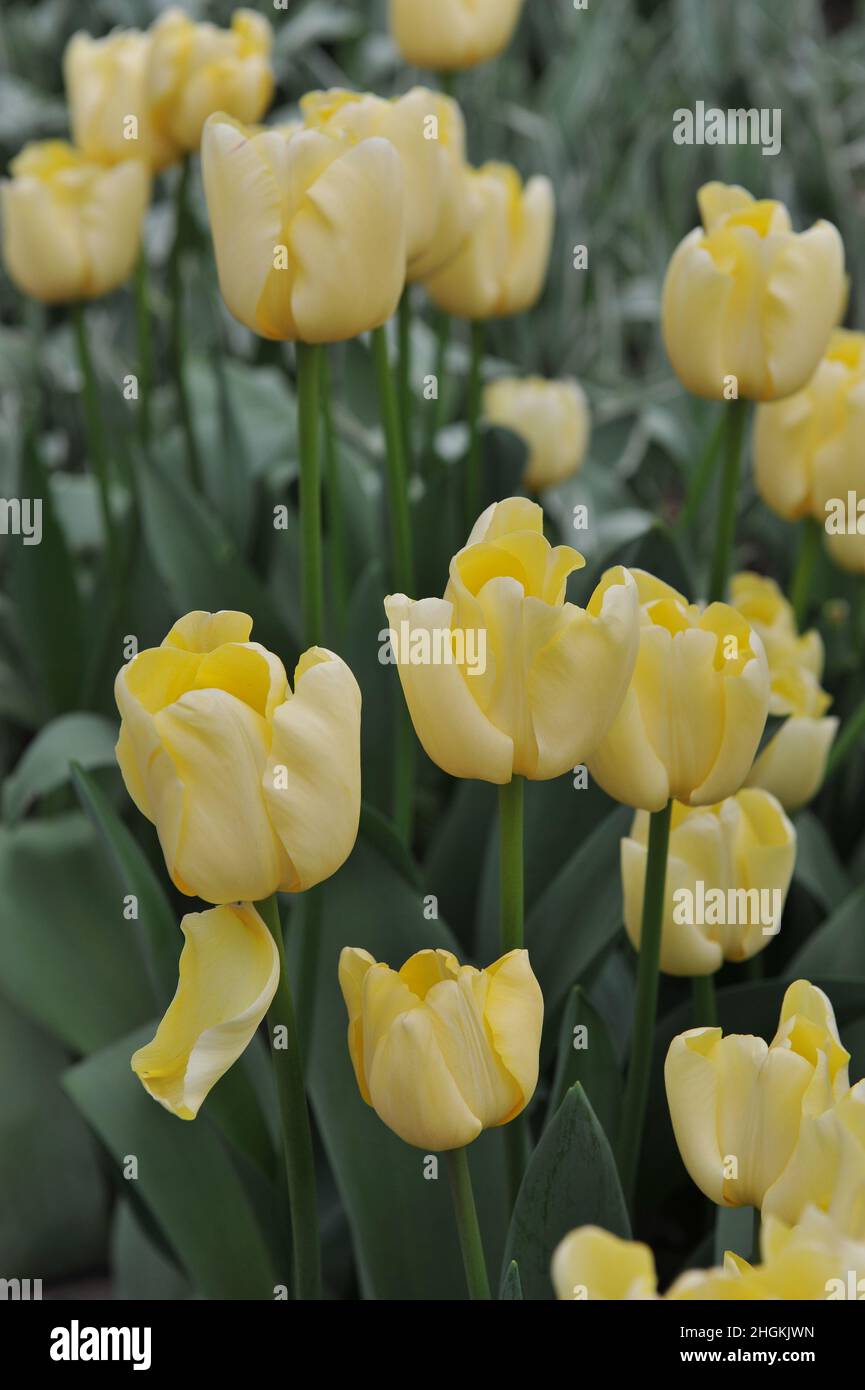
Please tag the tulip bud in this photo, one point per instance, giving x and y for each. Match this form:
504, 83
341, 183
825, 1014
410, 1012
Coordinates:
553, 419
71, 228
502, 676
449, 35
308, 229
109, 101
728, 871
229, 971
501, 266
252, 789
692, 719
745, 297
441, 1050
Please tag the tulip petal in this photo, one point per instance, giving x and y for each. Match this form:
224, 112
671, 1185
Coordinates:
592, 1264
412, 1089
514, 1014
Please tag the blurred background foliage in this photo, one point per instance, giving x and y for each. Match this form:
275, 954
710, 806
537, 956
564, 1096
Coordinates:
588, 98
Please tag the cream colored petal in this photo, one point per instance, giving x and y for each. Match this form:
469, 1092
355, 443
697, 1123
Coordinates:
412, 1090
626, 766
529, 257
204, 632
354, 964
694, 304
43, 249
469, 285
793, 764
746, 707
590, 1263
686, 949
514, 1014
782, 455
487, 1087
692, 1078
803, 294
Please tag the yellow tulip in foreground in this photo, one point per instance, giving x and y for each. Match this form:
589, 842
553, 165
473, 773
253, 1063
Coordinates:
428, 132
696, 707
441, 1050
502, 675
553, 419
252, 789
71, 228
107, 89
747, 297
737, 1103
448, 35
793, 763
229, 971
728, 871
501, 267
308, 229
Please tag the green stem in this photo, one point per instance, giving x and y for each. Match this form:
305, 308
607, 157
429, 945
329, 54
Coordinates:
645, 1004
701, 478
850, 736
404, 772
308, 416
438, 413
145, 348
803, 576
96, 440
448, 83
473, 468
397, 481
335, 512
705, 1004
467, 1225
406, 400
734, 428
511, 912
296, 1134
178, 334
311, 915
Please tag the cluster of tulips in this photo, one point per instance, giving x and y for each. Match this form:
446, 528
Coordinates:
254, 787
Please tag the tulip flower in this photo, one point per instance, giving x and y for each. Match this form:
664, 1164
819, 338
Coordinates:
728, 872
793, 763
449, 35
827, 1168
737, 1103
252, 789
590, 1263
71, 228
544, 678
109, 101
552, 417
746, 297
696, 707
229, 971
442, 1051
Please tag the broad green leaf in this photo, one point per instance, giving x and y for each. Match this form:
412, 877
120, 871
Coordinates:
586, 1054
818, 867
87, 738
837, 947
139, 1268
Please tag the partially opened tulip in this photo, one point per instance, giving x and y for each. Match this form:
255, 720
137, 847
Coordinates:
448, 35
827, 1168
552, 417
252, 788
108, 93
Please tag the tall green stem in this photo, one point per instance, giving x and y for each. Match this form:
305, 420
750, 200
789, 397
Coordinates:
296, 1134
97, 444
511, 913
803, 576
335, 512
145, 348
178, 332
406, 399
646, 1002
734, 429
473, 468
701, 478
308, 415
467, 1225
397, 480
705, 1004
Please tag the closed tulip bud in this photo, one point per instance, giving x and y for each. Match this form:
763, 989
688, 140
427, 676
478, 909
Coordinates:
501, 266
109, 103
502, 675
728, 871
449, 35
229, 971
793, 763
441, 1050
552, 417
197, 69
308, 229
252, 789
747, 297
71, 228
696, 707
428, 132
591, 1264
737, 1103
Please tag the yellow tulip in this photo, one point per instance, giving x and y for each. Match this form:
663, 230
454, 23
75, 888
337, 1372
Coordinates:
827, 1168
552, 417
428, 132
308, 229
747, 297
737, 1103
731, 864
449, 35
502, 675
197, 69
71, 228
793, 764
696, 707
501, 266
591, 1264
252, 789
441, 1050
229, 971
109, 103
813, 1260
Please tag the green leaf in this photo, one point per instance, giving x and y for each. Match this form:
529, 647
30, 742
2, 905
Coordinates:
837, 947
139, 1268
87, 738
818, 867
571, 1181
593, 1064
511, 1286
381, 832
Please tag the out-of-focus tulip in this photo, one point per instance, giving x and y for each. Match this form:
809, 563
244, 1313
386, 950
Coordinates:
793, 763
229, 971
728, 871
428, 131
553, 419
449, 35
196, 69
441, 1050
501, 266
839, 458
109, 104
591, 1264
695, 710
827, 1169
737, 1103
252, 789
747, 297
71, 228
308, 229
502, 676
